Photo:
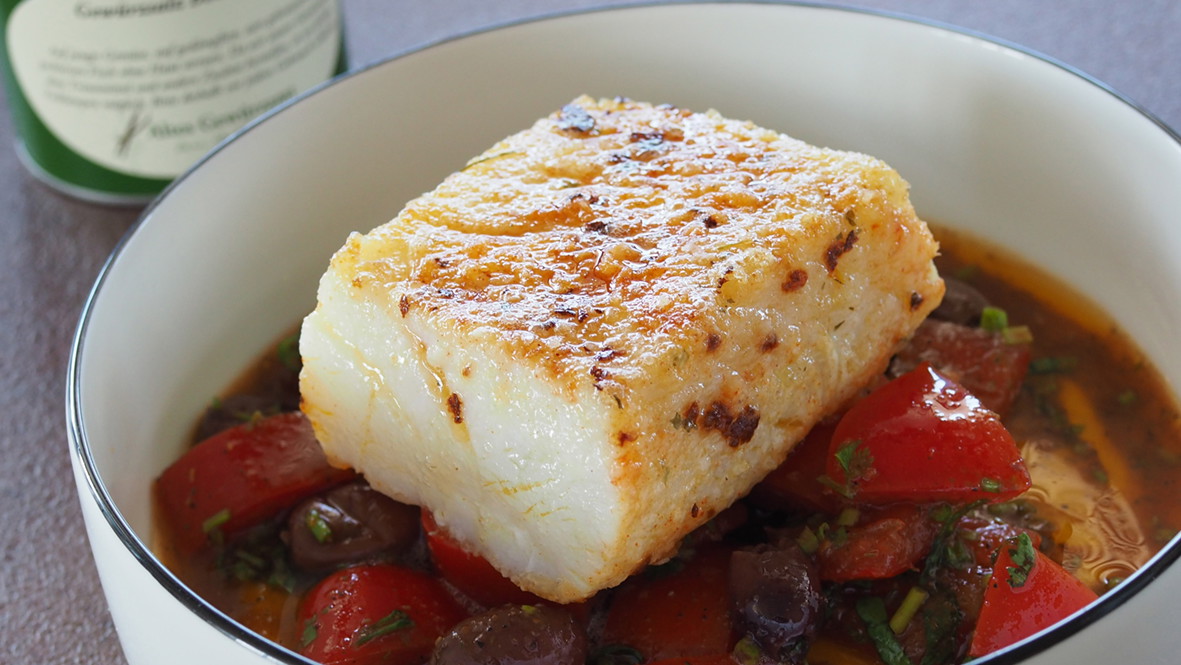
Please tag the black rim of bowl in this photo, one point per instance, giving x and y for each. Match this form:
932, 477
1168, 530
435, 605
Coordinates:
80, 446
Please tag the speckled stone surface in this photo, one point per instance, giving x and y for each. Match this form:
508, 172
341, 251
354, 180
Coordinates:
52, 247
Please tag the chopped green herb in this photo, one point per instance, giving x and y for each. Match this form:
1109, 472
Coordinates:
1017, 335
1023, 556
942, 617
910, 606
1052, 364
288, 352
994, 319
215, 521
747, 652
843, 490
872, 611
990, 485
855, 460
808, 541
942, 512
957, 553
848, 516
947, 551
259, 555
1127, 398
250, 559
390, 623
311, 628
282, 576
319, 526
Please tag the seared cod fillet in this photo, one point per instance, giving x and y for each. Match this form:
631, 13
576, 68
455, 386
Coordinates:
607, 328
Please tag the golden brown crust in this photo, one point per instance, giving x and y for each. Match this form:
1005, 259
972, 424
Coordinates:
613, 223
693, 292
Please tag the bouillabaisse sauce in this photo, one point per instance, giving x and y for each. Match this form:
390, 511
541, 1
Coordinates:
1016, 461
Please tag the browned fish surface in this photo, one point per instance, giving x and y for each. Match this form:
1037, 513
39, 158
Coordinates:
606, 328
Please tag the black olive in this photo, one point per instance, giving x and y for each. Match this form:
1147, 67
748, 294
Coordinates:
514, 635
961, 304
776, 599
347, 524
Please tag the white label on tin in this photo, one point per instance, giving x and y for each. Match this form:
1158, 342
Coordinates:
146, 87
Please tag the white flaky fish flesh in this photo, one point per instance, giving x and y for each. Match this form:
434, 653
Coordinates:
607, 328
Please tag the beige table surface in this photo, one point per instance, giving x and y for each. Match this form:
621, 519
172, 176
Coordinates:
51, 248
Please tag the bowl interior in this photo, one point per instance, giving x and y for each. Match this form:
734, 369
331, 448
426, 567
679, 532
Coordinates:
1014, 148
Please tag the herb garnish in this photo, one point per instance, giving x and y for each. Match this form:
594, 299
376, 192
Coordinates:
1023, 556
214, 522
747, 652
390, 623
855, 459
1017, 335
911, 603
319, 526
941, 619
288, 352
857, 463
311, 628
994, 319
947, 549
872, 611
808, 541
1052, 364
259, 555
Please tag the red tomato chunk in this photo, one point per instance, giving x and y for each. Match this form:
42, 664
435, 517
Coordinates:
245, 475
371, 614
896, 532
1029, 592
923, 438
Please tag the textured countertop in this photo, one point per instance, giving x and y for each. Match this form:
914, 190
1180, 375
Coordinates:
52, 247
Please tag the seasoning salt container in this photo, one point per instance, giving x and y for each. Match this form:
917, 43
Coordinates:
112, 99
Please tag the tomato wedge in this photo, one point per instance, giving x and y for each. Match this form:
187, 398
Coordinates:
371, 614
241, 477
470, 572
680, 613
885, 545
1028, 593
981, 361
924, 438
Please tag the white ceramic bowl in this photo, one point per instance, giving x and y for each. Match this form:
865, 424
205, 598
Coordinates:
1020, 150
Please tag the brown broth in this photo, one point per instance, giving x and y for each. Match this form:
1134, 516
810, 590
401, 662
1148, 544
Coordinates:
1128, 462
1104, 492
